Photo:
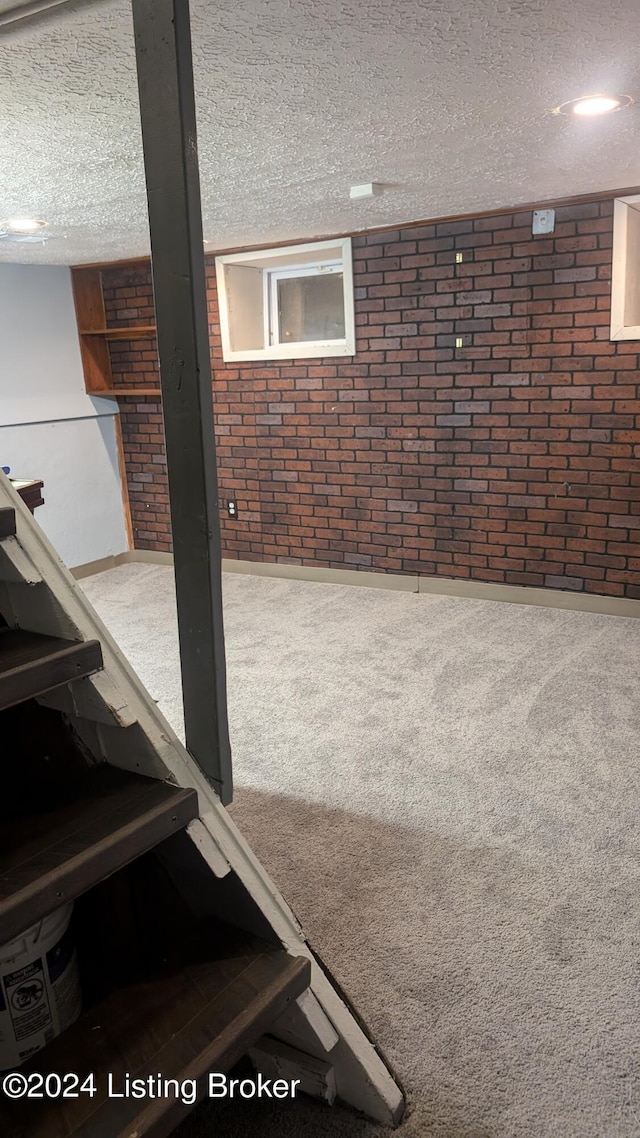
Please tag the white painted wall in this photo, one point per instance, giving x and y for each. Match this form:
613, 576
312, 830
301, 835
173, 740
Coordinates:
49, 427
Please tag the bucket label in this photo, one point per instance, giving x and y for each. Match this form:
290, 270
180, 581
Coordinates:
27, 997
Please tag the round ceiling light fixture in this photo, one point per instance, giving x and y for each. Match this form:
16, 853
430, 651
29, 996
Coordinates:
24, 225
24, 229
591, 106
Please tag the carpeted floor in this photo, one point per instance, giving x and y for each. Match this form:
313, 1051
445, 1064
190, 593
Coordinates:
446, 792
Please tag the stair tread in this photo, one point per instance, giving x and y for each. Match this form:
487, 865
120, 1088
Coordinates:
7, 522
182, 1022
51, 855
31, 663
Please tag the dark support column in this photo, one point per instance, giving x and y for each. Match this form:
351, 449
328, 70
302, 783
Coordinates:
167, 111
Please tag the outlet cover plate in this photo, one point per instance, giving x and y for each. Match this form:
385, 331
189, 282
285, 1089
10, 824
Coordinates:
544, 221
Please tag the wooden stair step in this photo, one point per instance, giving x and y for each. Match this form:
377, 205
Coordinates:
31, 664
7, 522
202, 1017
52, 855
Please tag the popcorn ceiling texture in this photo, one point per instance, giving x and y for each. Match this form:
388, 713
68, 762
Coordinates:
448, 105
514, 459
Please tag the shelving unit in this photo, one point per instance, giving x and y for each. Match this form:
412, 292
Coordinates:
95, 335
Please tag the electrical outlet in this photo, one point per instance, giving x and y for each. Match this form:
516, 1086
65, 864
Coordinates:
232, 509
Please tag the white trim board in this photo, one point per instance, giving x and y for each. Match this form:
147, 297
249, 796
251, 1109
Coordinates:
625, 274
397, 582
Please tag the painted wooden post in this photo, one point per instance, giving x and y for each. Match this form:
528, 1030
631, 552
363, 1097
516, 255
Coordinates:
167, 111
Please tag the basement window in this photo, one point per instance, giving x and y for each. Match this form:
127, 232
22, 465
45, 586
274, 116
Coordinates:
289, 303
625, 277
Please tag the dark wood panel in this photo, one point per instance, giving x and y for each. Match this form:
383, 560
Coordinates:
182, 1023
50, 856
31, 493
89, 301
42, 766
7, 522
96, 363
31, 664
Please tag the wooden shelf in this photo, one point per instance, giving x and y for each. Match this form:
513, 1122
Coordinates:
119, 391
7, 522
180, 1020
50, 856
31, 664
142, 332
95, 335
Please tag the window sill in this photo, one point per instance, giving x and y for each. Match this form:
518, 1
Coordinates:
290, 352
627, 332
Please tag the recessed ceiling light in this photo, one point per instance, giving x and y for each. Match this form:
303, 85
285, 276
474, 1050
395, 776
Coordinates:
24, 229
591, 105
24, 224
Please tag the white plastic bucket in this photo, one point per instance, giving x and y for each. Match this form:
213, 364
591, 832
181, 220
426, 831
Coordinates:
39, 988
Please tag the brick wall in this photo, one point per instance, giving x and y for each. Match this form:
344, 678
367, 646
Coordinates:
514, 458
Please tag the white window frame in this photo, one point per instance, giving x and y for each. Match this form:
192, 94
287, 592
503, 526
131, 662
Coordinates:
625, 275
276, 264
272, 309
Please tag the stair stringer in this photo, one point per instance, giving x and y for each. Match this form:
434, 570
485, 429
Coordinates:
145, 743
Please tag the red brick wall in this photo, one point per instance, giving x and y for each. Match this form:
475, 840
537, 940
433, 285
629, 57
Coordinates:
515, 458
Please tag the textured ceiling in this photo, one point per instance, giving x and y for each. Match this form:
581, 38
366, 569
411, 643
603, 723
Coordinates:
447, 103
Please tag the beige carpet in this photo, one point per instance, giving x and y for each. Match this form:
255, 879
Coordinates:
446, 792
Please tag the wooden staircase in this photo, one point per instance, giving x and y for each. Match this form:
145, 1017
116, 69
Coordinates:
175, 991
187, 953
31, 664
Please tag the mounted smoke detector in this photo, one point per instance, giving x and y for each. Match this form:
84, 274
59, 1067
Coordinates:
367, 190
590, 106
